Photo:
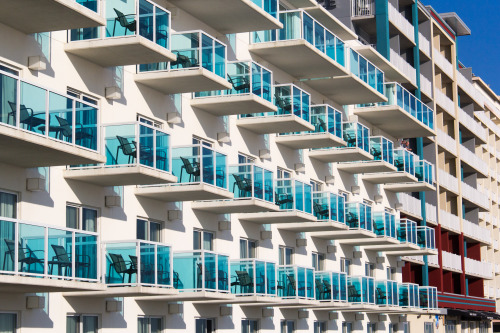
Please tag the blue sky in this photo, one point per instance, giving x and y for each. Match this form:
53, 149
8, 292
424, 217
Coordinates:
481, 50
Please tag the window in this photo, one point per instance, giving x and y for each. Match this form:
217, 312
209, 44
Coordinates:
83, 218
205, 325
282, 173
318, 261
406, 327
148, 325
203, 240
287, 326
8, 205
371, 328
8, 322
391, 273
429, 328
249, 326
149, 121
346, 327
369, 269
451, 326
345, 266
483, 327
319, 327
285, 254
244, 159
84, 97
200, 141
148, 230
9, 70
392, 328
316, 186
82, 324
247, 248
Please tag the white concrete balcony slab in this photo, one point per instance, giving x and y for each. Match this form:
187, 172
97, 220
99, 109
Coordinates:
275, 124
359, 167
313, 226
230, 16
330, 21
340, 155
351, 236
389, 177
28, 150
183, 192
182, 81
310, 140
25, 284
227, 105
120, 51
120, 176
290, 216
127, 291
409, 187
243, 205
32, 16
303, 3
206, 297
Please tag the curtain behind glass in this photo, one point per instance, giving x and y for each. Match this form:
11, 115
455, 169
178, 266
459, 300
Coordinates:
154, 231
71, 324
208, 241
72, 217
8, 322
8, 205
89, 219
141, 229
142, 325
90, 324
155, 325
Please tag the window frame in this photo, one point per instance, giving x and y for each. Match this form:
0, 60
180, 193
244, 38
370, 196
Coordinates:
282, 254
162, 321
80, 208
247, 242
202, 239
80, 317
148, 229
343, 265
213, 320
83, 96
17, 203
318, 260
17, 316
249, 320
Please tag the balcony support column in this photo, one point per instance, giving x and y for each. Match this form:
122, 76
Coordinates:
462, 255
382, 22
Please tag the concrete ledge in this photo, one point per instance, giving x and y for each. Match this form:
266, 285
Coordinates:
340, 155
28, 150
277, 217
187, 192
126, 291
367, 166
389, 177
29, 284
120, 175
275, 124
310, 140
120, 51
312, 226
250, 205
351, 236
233, 104
191, 296
409, 187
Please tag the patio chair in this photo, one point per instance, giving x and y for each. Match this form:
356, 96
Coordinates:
121, 267
210, 277
323, 290
66, 131
124, 22
26, 116
322, 212
244, 186
191, 168
403, 299
292, 286
376, 153
381, 296
283, 199
63, 261
184, 61
351, 220
351, 141
25, 255
239, 83
284, 105
244, 280
353, 294
379, 228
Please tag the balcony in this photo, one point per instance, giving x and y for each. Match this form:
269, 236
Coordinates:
426, 86
424, 172
472, 95
253, 280
38, 258
253, 190
364, 83
474, 161
136, 32
24, 15
327, 130
136, 154
382, 151
404, 67
473, 126
296, 282
293, 113
404, 161
230, 16
401, 23
443, 63
449, 221
201, 175
426, 240
384, 227
307, 40
328, 209
386, 293
477, 198
446, 141
361, 290
451, 261
357, 137
39, 127
200, 65
444, 102
481, 269
424, 45
402, 116
428, 298
476, 232
294, 200
410, 205
408, 295
330, 286
251, 92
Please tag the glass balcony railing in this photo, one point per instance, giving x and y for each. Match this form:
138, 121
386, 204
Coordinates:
251, 181
428, 298
424, 171
196, 164
384, 224
253, 277
201, 270
405, 161
297, 24
138, 262
330, 286
57, 116
295, 282
129, 18
382, 149
48, 252
194, 50
131, 144
326, 120
293, 195
361, 290
408, 295
329, 207
407, 231
247, 78
366, 71
357, 135
386, 293
269, 6
358, 216
426, 237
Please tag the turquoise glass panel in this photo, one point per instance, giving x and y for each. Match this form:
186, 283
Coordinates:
59, 247
32, 115
7, 245
32, 246
86, 249
295, 282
